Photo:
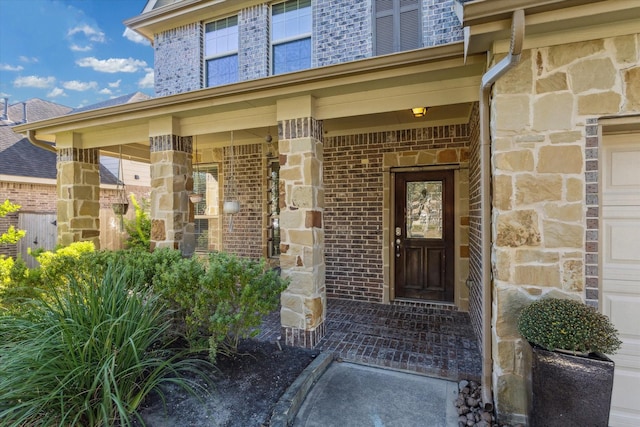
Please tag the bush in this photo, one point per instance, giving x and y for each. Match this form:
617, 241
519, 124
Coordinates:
138, 229
90, 356
221, 299
564, 324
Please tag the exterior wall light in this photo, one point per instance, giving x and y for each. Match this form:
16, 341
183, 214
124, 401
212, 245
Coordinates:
419, 111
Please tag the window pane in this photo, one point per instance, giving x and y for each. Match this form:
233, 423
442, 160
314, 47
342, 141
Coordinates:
292, 56
222, 71
424, 210
221, 37
290, 19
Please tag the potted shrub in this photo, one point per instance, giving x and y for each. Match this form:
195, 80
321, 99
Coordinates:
571, 377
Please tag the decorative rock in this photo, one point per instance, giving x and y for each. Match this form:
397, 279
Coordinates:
471, 412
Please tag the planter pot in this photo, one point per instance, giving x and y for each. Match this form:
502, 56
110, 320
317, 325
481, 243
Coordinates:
120, 208
195, 197
570, 390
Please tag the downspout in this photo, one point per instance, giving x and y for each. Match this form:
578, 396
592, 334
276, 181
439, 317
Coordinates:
31, 136
488, 79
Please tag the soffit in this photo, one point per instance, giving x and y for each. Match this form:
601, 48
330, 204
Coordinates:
361, 90
488, 21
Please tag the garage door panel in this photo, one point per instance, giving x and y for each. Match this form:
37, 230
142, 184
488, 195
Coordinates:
620, 268
620, 308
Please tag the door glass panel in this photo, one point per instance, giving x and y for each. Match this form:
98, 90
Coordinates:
424, 210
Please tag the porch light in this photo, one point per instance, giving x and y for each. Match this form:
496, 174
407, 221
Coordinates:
419, 111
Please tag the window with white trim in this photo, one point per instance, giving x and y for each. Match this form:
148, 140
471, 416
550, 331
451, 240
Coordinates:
291, 36
207, 211
397, 26
221, 51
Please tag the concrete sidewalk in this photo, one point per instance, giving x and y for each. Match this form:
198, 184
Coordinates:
351, 395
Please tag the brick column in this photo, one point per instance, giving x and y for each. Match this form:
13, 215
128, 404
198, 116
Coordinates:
78, 186
171, 181
302, 234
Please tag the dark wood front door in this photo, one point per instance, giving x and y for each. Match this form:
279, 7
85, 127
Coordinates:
423, 235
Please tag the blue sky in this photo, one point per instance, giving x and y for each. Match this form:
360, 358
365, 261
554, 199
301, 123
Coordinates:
72, 52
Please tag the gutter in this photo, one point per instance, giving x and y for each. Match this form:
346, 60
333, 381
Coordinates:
488, 79
31, 136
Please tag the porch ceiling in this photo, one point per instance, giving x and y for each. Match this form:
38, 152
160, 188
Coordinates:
364, 95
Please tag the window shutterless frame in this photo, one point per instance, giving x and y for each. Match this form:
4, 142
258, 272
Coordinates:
291, 26
221, 40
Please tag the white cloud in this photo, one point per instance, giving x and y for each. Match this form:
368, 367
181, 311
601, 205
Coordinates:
105, 91
115, 84
148, 80
77, 48
7, 67
112, 65
34, 81
94, 34
4, 95
135, 37
56, 92
79, 86
28, 60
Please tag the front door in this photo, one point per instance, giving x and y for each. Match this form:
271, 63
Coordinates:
423, 235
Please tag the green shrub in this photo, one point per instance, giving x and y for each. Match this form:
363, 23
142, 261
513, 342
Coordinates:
222, 299
139, 228
564, 324
89, 356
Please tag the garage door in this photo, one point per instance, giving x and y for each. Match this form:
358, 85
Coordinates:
620, 240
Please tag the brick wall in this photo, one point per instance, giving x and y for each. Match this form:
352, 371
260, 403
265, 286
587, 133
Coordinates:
178, 60
253, 58
341, 31
354, 204
246, 237
475, 223
440, 24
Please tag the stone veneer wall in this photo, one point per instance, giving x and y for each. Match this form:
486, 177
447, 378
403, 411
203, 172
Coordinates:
178, 60
171, 181
246, 237
302, 243
544, 113
78, 191
354, 225
476, 311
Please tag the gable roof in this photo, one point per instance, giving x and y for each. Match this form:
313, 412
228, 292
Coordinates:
18, 157
124, 99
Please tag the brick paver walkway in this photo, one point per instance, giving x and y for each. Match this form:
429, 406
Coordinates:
426, 339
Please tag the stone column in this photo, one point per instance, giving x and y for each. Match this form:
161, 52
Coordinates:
171, 181
302, 234
78, 186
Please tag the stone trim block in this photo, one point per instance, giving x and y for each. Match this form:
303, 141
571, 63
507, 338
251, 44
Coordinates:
182, 144
82, 155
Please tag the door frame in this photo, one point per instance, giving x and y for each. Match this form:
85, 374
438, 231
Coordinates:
389, 221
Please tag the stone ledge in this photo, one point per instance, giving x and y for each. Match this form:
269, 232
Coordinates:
287, 407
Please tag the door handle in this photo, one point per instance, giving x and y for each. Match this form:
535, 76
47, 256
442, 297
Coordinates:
398, 243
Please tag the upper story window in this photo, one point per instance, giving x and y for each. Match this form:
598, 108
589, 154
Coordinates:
291, 36
221, 51
397, 26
